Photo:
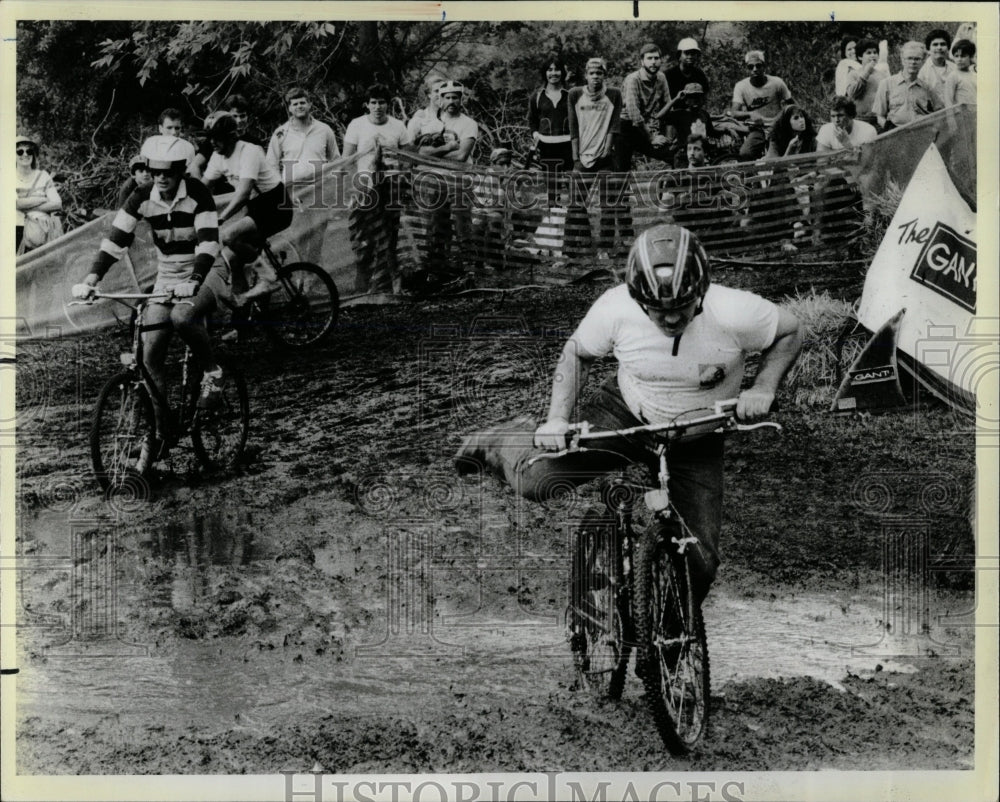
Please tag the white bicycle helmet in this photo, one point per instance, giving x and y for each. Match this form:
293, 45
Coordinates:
163, 152
450, 86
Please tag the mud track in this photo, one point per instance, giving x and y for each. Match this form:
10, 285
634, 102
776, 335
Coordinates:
345, 600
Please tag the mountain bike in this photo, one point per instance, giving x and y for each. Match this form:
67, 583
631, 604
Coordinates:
631, 585
129, 432
301, 310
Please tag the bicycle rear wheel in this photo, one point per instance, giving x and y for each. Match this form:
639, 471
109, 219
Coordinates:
304, 309
674, 649
219, 435
122, 436
597, 615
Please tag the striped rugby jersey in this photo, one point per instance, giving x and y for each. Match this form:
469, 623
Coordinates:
185, 230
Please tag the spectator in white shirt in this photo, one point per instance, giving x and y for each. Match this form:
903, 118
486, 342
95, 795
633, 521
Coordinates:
843, 130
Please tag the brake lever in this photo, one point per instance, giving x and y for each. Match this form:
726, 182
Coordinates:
747, 427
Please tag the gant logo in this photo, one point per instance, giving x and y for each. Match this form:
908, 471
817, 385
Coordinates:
947, 265
869, 375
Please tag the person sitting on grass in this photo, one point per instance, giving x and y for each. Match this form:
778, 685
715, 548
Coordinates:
843, 130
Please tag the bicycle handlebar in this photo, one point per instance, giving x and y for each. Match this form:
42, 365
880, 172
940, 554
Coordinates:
121, 297
724, 413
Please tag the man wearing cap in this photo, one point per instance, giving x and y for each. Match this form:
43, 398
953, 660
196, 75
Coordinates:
171, 123
758, 99
450, 134
903, 97
644, 102
139, 177
181, 214
594, 123
687, 70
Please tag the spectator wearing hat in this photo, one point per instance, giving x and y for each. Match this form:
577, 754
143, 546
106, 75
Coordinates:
450, 134
936, 69
687, 115
903, 97
843, 130
758, 99
594, 124
301, 146
960, 85
37, 198
644, 102
688, 69
864, 78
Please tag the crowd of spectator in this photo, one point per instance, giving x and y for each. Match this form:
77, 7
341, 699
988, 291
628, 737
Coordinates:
593, 130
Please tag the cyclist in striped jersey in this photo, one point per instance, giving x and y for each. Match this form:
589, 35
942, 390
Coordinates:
181, 213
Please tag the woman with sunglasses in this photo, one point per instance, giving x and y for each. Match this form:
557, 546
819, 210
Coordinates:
37, 196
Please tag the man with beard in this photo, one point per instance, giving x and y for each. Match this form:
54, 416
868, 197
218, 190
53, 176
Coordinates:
644, 102
758, 99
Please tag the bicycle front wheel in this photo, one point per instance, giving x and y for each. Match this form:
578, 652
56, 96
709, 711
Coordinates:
122, 437
597, 618
219, 435
673, 646
303, 310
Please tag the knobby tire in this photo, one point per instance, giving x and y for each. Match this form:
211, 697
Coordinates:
673, 646
219, 435
122, 436
598, 618
302, 312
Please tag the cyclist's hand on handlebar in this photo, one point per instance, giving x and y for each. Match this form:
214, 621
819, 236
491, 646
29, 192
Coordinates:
753, 404
186, 289
85, 290
551, 435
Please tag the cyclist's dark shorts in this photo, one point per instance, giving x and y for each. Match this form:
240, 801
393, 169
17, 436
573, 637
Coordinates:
271, 211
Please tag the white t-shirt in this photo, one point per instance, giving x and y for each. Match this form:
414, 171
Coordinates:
364, 134
246, 161
454, 129
708, 367
861, 132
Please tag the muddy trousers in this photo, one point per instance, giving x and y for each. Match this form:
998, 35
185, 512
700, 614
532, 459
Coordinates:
695, 466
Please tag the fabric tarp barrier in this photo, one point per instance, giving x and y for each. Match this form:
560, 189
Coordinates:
926, 265
45, 277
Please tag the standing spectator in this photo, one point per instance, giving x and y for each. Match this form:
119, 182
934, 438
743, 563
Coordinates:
548, 121
864, 79
843, 130
687, 70
171, 123
37, 198
239, 107
430, 112
644, 102
374, 218
139, 177
937, 68
849, 60
300, 147
960, 85
594, 122
759, 99
903, 97
793, 133
449, 134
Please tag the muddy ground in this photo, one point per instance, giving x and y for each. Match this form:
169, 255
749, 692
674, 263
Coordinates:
345, 600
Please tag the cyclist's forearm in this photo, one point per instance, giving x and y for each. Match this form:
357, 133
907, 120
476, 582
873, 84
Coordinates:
570, 376
776, 360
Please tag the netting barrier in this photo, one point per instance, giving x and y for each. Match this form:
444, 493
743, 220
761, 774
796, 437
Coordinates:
429, 220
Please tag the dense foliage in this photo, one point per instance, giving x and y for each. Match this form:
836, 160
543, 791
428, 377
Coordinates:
92, 89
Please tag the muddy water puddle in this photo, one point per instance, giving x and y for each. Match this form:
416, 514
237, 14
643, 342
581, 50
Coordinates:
399, 662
